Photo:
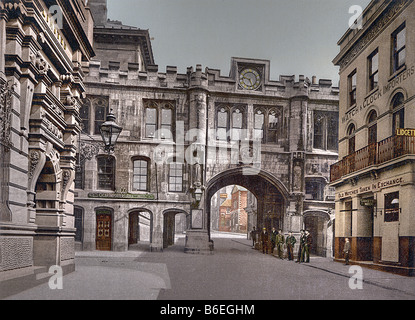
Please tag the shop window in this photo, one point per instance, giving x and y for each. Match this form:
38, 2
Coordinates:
392, 207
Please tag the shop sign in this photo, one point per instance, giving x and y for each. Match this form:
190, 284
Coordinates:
376, 186
376, 95
116, 195
368, 202
405, 132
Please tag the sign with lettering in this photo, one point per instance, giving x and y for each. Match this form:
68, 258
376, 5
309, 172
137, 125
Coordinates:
115, 195
405, 132
376, 95
376, 186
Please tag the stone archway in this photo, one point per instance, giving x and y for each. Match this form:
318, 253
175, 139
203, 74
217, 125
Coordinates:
317, 223
272, 196
170, 225
140, 228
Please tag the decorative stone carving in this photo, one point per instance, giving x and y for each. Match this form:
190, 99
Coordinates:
41, 64
5, 115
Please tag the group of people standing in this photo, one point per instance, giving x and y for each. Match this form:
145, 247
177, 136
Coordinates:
275, 240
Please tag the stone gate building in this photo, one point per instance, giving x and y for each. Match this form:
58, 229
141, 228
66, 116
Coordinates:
186, 136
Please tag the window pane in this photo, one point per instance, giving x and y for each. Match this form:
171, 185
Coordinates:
237, 119
166, 116
151, 116
222, 119
400, 40
273, 121
375, 63
401, 58
140, 175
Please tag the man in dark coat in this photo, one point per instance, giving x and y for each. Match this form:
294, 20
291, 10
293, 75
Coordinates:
273, 238
253, 236
264, 240
290, 242
300, 249
305, 253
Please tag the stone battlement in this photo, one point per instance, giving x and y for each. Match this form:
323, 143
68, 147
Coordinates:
210, 79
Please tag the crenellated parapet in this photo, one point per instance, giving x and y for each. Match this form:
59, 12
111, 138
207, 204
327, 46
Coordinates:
209, 79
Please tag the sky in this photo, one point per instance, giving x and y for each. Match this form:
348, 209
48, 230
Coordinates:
299, 37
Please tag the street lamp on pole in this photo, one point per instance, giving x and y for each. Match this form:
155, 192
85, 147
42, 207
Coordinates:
110, 131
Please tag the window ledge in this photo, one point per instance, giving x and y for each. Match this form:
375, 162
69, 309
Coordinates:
397, 73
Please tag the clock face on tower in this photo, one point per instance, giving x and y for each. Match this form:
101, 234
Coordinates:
249, 79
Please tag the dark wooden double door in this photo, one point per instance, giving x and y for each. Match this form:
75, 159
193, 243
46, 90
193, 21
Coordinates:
104, 231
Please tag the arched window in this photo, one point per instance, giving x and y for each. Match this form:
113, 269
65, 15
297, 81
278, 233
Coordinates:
222, 124
274, 118
93, 114
351, 138
259, 121
373, 128
141, 170
398, 112
106, 172
237, 124
159, 120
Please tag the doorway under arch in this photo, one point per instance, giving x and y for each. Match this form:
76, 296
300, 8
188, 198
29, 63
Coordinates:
271, 195
175, 223
140, 228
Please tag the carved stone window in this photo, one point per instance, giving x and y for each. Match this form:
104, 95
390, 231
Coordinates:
159, 119
325, 130
93, 114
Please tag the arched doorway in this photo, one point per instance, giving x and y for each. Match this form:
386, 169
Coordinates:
270, 193
140, 228
104, 228
316, 222
175, 223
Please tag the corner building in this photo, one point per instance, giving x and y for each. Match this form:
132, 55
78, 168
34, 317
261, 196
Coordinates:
374, 179
187, 135
45, 48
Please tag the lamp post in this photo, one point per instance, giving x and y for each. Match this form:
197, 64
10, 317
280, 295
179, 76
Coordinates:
110, 131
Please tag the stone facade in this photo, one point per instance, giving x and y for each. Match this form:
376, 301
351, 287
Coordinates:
44, 53
374, 178
195, 133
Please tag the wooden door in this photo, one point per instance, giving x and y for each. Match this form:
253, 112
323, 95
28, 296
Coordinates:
104, 231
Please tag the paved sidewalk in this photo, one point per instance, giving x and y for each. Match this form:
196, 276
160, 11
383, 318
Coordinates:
369, 276
105, 276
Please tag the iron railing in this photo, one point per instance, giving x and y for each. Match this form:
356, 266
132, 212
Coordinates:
373, 154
